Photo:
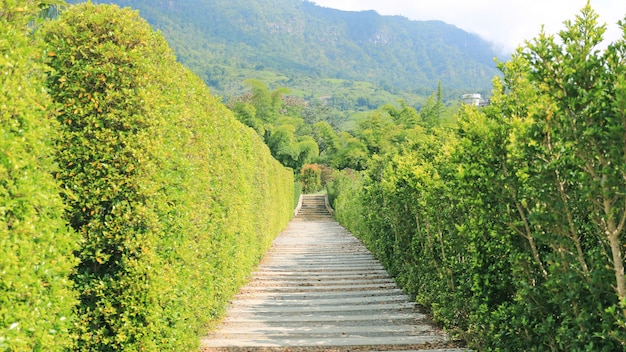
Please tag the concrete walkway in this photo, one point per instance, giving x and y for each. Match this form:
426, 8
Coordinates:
319, 289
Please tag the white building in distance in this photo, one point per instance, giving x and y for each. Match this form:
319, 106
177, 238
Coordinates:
472, 99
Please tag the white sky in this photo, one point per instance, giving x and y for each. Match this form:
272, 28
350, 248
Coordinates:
506, 23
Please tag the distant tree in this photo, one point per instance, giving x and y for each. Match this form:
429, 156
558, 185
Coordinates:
246, 113
353, 154
378, 133
433, 110
267, 103
317, 111
292, 106
326, 138
406, 116
290, 150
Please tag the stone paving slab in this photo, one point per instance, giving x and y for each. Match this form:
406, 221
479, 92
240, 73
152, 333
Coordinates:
362, 287
326, 329
319, 289
321, 294
328, 341
369, 309
305, 302
344, 280
338, 319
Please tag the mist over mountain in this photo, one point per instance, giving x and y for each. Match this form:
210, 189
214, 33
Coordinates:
315, 50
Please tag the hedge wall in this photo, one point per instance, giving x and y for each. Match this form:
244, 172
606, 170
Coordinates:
511, 228
36, 246
174, 199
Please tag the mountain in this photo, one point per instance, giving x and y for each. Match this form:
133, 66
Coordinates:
318, 51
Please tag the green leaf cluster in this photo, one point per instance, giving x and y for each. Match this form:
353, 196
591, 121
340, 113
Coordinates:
311, 178
175, 200
278, 120
36, 295
510, 227
300, 132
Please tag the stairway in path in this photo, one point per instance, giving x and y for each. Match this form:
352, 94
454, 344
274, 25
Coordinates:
319, 289
314, 208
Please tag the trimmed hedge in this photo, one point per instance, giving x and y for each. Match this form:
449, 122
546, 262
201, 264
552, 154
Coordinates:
176, 201
36, 298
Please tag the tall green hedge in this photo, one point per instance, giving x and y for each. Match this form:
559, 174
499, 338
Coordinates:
36, 297
175, 199
511, 228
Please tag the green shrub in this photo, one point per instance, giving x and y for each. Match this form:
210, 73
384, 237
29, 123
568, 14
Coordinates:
311, 178
175, 199
36, 299
343, 183
507, 227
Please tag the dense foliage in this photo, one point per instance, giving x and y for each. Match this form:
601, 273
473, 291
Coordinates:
350, 60
511, 226
298, 132
175, 200
311, 178
132, 203
36, 297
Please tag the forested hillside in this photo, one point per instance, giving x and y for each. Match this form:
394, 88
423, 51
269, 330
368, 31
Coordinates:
317, 51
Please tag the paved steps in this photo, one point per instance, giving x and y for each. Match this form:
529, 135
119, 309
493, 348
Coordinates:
319, 289
314, 208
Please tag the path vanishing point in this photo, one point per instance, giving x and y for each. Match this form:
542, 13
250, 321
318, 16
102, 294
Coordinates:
320, 289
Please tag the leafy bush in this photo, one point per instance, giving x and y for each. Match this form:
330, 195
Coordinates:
344, 192
36, 296
175, 199
510, 228
311, 178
